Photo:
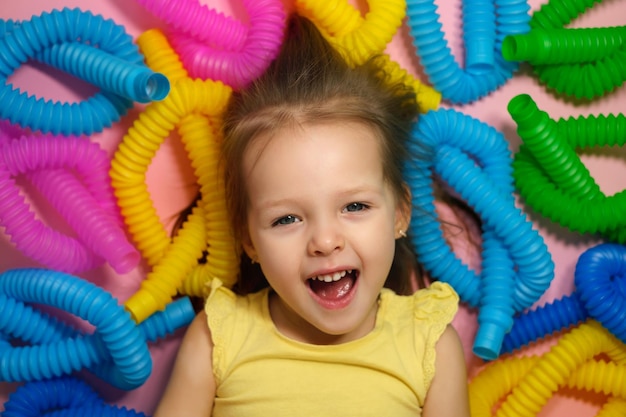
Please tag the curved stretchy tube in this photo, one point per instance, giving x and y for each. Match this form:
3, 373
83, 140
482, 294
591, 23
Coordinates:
86, 205
486, 23
549, 175
594, 59
35, 37
61, 397
197, 21
192, 107
598, 295
358, 38
517, 267
20, 321
237, 68
115, 332
499, 378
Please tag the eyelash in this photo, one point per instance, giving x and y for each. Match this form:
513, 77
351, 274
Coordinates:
290, 219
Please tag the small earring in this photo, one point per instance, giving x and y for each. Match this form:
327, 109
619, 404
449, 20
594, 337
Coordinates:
254, 260
402, 233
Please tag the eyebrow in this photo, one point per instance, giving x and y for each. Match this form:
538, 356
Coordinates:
269, 204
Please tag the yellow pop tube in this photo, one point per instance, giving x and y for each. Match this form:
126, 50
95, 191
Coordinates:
572, 350
358, 38
160, 56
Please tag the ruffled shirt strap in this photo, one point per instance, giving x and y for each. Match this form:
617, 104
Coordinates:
220, 307
434, 308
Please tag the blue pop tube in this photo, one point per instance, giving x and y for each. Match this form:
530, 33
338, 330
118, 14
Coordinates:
40, 329
61, 397
486, 23
116, 333
516, 265
600, 279
42, 38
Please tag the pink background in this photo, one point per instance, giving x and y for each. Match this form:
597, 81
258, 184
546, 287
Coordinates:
171, 182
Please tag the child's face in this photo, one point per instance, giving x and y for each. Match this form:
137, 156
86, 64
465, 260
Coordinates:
319, 210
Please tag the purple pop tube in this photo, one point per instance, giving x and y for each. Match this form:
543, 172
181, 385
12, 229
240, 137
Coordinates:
78, 202
197, 21
237, 68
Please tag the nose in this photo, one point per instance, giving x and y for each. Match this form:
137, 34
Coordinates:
326, 238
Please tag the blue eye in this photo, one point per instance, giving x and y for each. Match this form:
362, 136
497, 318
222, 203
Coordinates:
285, 220
356, 207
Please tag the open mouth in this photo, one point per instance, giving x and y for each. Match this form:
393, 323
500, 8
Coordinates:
331, 288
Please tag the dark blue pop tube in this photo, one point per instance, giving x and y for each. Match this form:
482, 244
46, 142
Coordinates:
20, 321
486, 23
61, 397
517, 267
600, 280
41, 38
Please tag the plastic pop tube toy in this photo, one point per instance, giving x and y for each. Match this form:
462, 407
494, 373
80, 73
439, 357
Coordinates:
22, 322
516, 267
61, 397
486, 23
593, 376
584, 63
359, 38
87, 206
549, 174
116, 63
197, 21
237, 68
115, 330
566, 364
192, 107
600, 285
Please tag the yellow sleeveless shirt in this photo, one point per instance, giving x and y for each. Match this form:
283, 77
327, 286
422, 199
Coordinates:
260, 372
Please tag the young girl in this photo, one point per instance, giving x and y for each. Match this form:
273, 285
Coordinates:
323, 320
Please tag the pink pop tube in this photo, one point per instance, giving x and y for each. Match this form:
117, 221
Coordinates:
199, 22
236, 68
86, 206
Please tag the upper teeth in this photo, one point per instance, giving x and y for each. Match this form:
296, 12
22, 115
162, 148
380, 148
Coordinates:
331, 277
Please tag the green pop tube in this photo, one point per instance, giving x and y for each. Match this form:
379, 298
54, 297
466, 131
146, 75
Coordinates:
564, 46
543, 163
580, 63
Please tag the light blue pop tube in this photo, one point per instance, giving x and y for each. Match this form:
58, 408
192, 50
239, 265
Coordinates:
517, 267
115, 329
133, 81
61, 397
486, 70
40, 329
31, 38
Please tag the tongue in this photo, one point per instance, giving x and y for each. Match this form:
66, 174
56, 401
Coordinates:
332, 290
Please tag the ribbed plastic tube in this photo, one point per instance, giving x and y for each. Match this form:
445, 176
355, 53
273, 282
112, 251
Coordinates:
499, 378
549, 174
61, 397
35, 327
116, 333
473, 159
486, 23
572, 351
200, 22
236, 68
601, 52
600, 294
192, 107
41, 37
359, 38
87, 204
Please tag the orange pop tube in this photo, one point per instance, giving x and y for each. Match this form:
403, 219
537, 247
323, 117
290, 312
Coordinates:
358, 38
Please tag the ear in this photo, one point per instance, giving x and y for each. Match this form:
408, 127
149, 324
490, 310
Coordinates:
249, 248
403, 214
